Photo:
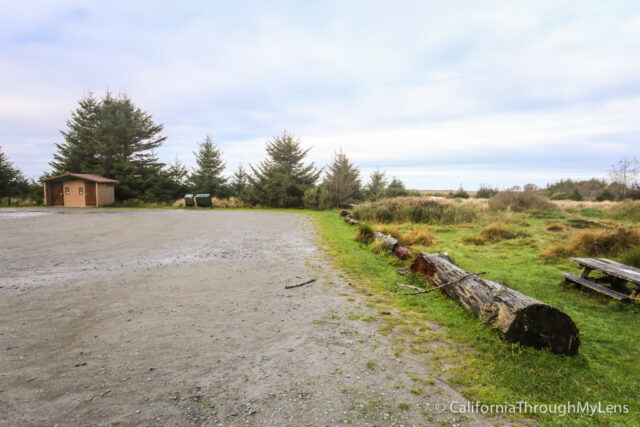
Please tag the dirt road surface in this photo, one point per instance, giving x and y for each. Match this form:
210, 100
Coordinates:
174, 317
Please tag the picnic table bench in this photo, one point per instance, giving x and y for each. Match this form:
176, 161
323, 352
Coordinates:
617, 275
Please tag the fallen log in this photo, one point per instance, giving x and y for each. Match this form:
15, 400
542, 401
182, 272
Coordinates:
389, 240
517, 317
350, 220
396, 248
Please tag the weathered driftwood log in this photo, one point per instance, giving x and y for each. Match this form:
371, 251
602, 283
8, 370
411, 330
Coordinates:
517, 317
396, 248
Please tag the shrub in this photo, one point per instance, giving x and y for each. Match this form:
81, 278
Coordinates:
365, 234
631, 257
605, 195
416, 210
317, 198
460, 194
486, 192
519, 201
559, 196
575, 195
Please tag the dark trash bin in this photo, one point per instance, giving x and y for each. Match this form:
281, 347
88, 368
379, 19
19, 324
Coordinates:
204, 200
188, 200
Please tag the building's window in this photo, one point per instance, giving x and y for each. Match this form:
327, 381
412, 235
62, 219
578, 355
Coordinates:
81, 190
66, 190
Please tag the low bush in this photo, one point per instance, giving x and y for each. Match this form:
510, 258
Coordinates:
559, 196
416, 210
605, 195
486, 192
519, 201
631, 257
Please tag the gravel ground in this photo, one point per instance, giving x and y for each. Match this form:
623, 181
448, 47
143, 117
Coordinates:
174, 317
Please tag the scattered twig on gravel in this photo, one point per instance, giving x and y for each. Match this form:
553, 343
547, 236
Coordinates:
426, 291
300, 284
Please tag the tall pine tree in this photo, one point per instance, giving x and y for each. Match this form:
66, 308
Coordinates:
239, 184
342, 180
114, 138
10, 178
375, 188
281, 180
207, 177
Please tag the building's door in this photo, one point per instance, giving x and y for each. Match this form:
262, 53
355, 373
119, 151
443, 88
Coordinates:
57, 196
90, 193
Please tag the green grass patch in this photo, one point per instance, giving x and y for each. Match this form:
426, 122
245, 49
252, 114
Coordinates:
495, 371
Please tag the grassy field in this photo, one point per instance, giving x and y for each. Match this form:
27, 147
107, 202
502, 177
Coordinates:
480, 364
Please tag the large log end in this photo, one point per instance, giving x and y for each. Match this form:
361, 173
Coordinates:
544, 327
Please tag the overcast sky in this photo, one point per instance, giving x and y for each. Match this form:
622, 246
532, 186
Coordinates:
437, 93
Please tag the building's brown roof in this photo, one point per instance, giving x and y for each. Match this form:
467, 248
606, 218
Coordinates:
85, 176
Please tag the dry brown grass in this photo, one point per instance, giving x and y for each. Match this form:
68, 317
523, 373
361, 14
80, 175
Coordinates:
519, 201
557, 226
596, 243
418, 237
492, 234
230, 203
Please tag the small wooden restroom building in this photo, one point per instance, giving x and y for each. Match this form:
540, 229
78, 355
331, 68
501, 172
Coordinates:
79, 190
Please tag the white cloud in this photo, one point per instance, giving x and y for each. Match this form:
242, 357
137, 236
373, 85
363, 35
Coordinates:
392, 84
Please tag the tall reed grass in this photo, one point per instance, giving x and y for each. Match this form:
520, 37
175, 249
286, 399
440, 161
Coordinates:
416, 210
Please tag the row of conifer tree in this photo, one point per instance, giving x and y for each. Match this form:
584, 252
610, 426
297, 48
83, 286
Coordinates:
114, 138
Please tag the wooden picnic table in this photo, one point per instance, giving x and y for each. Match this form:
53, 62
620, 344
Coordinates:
617, 275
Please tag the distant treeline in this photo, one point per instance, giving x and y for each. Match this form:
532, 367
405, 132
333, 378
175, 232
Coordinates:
114, 138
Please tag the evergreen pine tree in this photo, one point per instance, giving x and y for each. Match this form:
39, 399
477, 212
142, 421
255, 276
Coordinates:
240, 183
376, 186
114, 138
342, 180
281, 180
10, 178
396, 188
177, 179
207, 177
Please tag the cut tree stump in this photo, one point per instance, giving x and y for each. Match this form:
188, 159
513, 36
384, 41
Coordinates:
516, 316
